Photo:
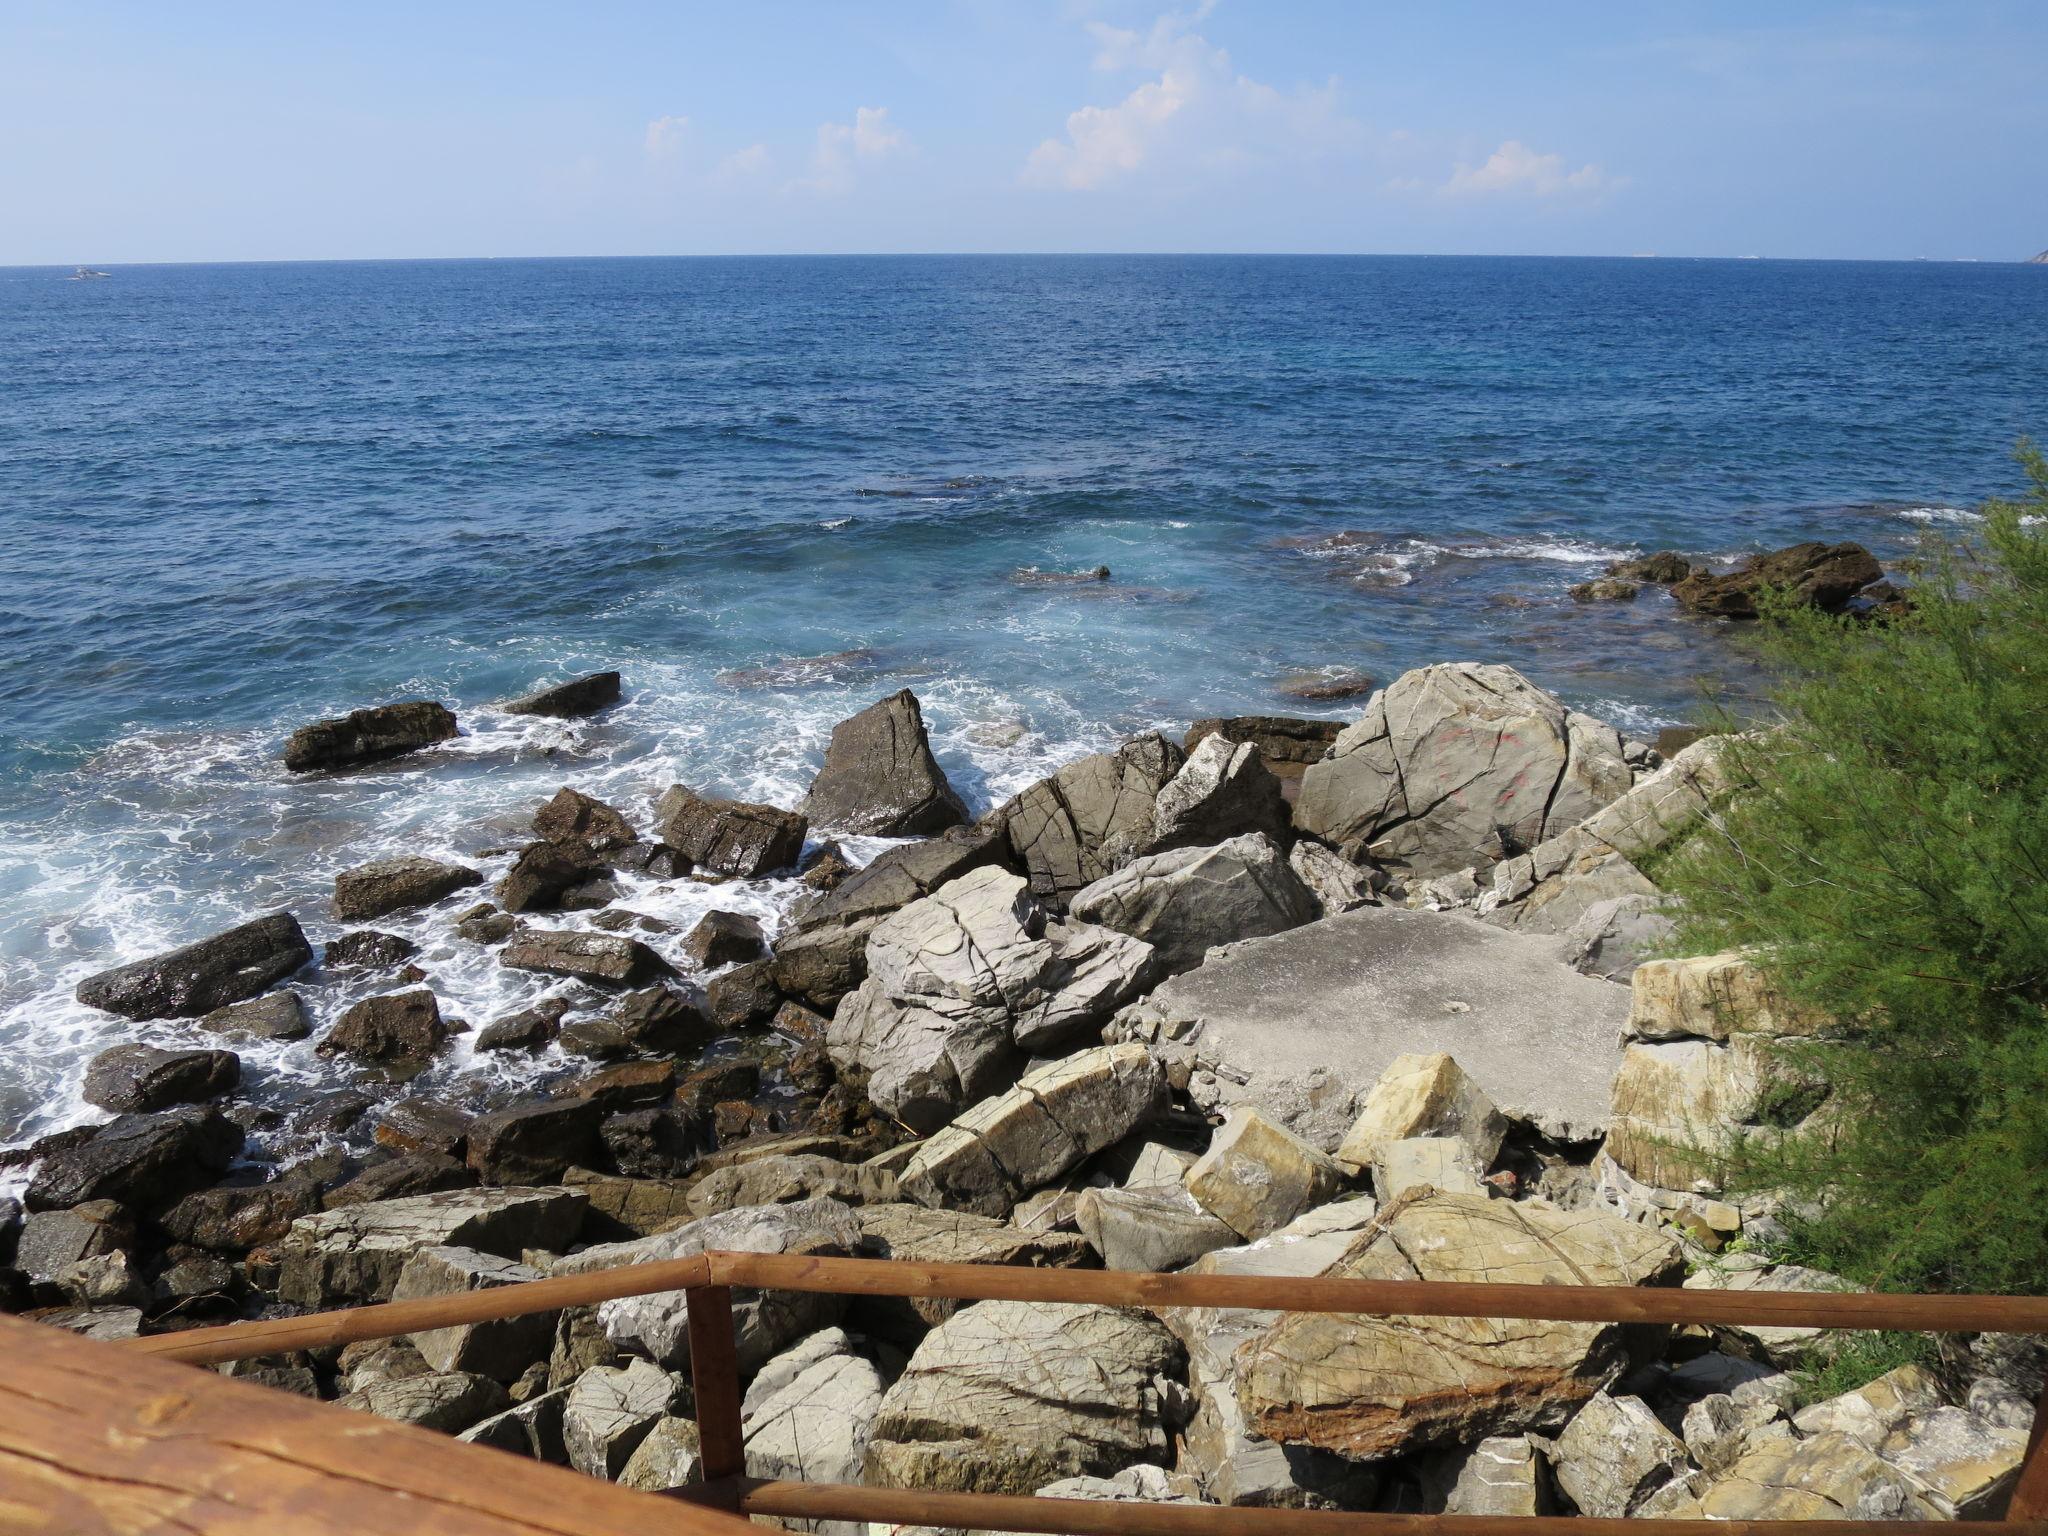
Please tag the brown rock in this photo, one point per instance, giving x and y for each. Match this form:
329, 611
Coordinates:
395, 1027
729, 837
368, 735
574, 818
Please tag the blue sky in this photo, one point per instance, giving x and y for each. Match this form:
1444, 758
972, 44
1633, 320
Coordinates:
205, 131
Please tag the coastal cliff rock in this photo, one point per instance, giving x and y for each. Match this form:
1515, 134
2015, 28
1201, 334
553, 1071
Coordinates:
1185, 902
1223, 790
198, 978
368, 735
1457, 764
1090, 819
880, 777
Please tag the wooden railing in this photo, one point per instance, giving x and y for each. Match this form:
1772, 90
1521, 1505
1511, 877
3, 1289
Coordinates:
707, 1281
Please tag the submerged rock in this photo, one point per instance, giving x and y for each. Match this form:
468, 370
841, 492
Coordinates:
368, 735
580, 696
880, 777
200, 977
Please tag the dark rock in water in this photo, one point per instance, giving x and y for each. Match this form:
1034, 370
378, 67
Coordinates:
803, 671
729, 837
145, 1162
583, 696
573, 817
543, 873
395, 1027
279, 1015
420, 1173
367, 948
657, 861
609, 958
1032, 576
534, 1143
880, 776
828, 868
724, 938
1814, 575
332, 1113
10, 1227
49, 1242
485, 924
629, 1085
185, 983
658, 1020
142, 1077
368, 735
1661, 569
1088, 820
1324, 687
234, 1219
530, 1029
648, 1143
423, 1125
591, 895
1603, 589
744, 995
393, 885
1286, 744
703, 1090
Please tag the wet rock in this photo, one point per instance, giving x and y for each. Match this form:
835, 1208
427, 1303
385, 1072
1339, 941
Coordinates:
533, 1143
660, 1020
445, 1401
397, 884
500, 1349
485, 924
1185, 902
729, 837
1090, 819
1457, 764
399, 1178
280, 1015
368, 735
142, 1161
1257, 1176
828, 868
357, 1253
743, 996
580, 696
575, 820
50, 1242
725, 938
365, 949
1812, 575
236, 1218
1423, 1095
611, 959
423, 1124
545, 875
1662, 569
530, 1029
1603, 589
199, 978
880, 778
1614, 1455
1223, 790
1005, 1397
1004, 1148
392, 1029
143, 1077
1148, 1229
1325, 686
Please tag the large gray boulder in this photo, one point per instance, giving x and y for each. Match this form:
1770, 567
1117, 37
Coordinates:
915, 1232
729, 837
1185, 902
610, 1410
1223, 790
807, 1415
1148, 1229
368, 735
144, 1077
145, 1162
1303, 1023
962, 982
880, 777
1005, 1397
197, 978
1093, 816
1459, 764
502, 1348
1613, 1455
357, 1253
395, 884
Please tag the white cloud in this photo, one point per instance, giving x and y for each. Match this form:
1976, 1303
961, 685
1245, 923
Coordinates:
666, 137
1199, 112
844, 147
1516, 170
745, 164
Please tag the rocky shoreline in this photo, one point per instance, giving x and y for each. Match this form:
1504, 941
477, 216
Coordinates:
1283, 997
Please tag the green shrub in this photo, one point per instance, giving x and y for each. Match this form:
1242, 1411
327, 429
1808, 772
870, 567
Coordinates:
1887, 856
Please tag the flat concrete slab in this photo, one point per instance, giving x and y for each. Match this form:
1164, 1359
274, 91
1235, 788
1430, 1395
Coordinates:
1304, 1022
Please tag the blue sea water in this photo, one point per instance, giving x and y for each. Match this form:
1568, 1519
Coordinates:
236, 498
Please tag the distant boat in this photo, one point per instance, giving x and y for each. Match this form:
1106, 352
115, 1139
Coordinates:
84, 274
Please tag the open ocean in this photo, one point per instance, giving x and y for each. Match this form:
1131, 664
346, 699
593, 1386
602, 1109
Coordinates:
237, 498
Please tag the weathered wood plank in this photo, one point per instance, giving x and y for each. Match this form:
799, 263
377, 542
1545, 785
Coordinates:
99, 1441
715, 1382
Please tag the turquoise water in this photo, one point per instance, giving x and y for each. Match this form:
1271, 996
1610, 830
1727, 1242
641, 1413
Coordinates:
235, 498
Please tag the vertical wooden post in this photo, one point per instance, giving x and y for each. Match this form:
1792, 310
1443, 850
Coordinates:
715, 1379
2030, 1493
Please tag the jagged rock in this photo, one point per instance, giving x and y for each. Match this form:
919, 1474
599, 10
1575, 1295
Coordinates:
826, 956
1301, 1024
1258, 1176
368, 735
1968, 1465
1719, 1431
669, 1457
806, 1416
533, 1143
579, 696
1459, 763
421, 1173
1005, 1397
575, 820
1286, 744
396, 1027
1148, 1230
143, 1077
880, 777
764, 1322
1184, 902
608, 958
1614, 1455
1498, 1476
1424, 1095
201, 977
1871, 1412
1058, 1114
50, 1242
1813, 575
144, 1162
500, 1349
1337, 884
1371, 1387
961, 981
446, 1401
1091, 818
729, 837
545, 875
725, 938
281, 1015
914, 1232
393, 885
532, 1428
611, 1410
1223, 791
356, 1253
367, 949
1829, 1477
1446, 1163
